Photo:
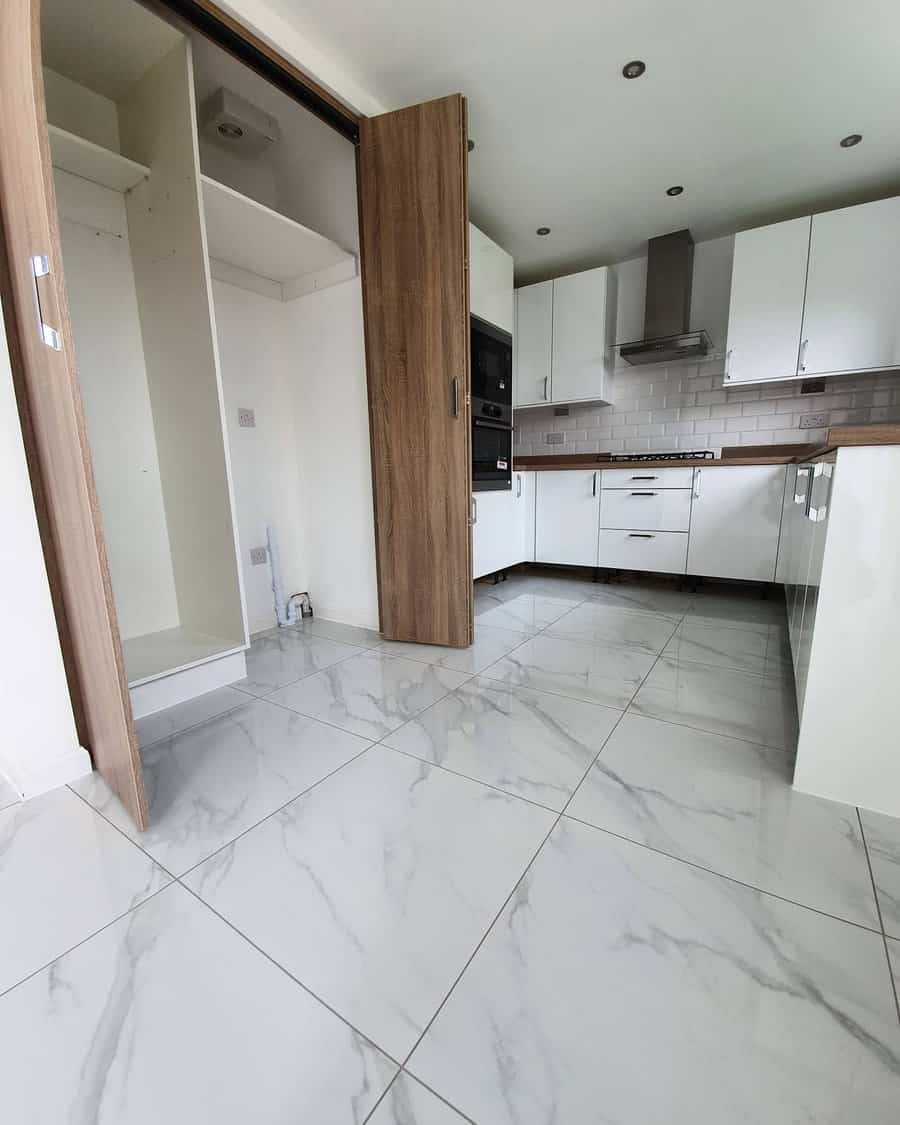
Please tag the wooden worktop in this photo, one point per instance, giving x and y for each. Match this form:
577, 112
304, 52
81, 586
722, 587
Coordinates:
879, 433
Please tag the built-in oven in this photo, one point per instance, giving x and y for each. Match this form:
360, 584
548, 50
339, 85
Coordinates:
491, 407
491, 456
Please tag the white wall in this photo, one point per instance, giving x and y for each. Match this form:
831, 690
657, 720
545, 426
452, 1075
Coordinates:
39, 747
79, 110
113, 380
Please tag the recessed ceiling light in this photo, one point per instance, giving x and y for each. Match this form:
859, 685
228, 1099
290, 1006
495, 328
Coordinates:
633, 69
471, 145
675, 189
850, 140
542, 231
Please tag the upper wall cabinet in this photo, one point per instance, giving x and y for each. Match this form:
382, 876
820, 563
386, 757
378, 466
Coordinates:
564, 337
491, 294
768, 282
851, 321
816, 296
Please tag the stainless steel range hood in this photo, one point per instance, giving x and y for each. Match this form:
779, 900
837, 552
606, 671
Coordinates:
667, 308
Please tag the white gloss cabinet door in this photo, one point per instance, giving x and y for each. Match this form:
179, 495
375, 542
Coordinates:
768, 282
851, 321
582, 310
567, 517
532, 346
735, 522
523, 495
494, 532
491, 292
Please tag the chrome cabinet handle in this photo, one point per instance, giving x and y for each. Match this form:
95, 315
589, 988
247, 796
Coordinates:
454, 398
474, 510
697, 473
40, 267
645, 478
546, 381
728, 356
518, 485
802, 359
640, 535
643, 494
817, 515
594, 486
800, 498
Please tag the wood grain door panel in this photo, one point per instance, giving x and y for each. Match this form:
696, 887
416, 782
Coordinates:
53, 427
414, 234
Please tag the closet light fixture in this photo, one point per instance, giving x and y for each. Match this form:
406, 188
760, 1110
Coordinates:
851, 140
634, 69
542, 231
675, 189
230, 131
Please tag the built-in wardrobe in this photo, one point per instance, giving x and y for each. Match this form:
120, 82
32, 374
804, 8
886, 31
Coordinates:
217, 282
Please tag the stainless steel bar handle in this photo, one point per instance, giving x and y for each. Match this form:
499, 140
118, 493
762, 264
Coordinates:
40, 267
546, 381
802, 359
454, 398
697, 473
594, 486
474, 510
518, 485
640, 535
645, 478
824, 470
806, 471
643, 494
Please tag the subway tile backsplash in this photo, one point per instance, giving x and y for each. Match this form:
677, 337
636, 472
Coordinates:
687, 406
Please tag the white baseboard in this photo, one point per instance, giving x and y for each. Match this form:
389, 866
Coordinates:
58, 771
156, 695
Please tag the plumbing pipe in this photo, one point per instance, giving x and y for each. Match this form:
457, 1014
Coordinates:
285, 611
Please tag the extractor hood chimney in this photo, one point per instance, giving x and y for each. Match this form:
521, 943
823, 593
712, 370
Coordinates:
667, 308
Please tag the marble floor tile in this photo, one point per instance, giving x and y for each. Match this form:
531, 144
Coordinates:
883, 843
566, 586
601, 673
489, 645
739, 611
603, 624
744, 650
370, 694
737, 704
528, 743
729, 806
408, 1102
64, 873
646, 597
276, 660
173, 720
170, 1016
622, 986
8, 795
338, 631
528, 613
210, 783
375, 887
893, 948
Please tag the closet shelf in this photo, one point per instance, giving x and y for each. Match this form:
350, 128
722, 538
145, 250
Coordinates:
93, 162
248, 236
154, 655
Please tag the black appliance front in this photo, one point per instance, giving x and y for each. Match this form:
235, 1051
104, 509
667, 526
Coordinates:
491, 373
491, 456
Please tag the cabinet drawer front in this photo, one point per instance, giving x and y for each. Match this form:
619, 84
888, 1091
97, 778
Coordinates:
646, 509
665, 551
647, 478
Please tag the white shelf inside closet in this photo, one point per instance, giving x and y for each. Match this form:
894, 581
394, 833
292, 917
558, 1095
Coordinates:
93, 162
170, 650
250, 237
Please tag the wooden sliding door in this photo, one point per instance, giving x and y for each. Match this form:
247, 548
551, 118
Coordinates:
43, 361
414, 232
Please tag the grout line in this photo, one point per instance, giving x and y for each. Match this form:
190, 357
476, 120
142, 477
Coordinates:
722, 875
718, 733
419, 1082
884, 938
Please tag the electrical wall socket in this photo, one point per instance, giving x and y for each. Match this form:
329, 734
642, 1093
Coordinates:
258, 555
556, 439
246, 417
813, 421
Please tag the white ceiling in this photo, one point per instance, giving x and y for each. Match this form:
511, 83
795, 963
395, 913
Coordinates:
743, 103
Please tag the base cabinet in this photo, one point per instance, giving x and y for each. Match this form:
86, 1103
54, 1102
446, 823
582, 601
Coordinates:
662, 551
735, 522
503, 527
567, 517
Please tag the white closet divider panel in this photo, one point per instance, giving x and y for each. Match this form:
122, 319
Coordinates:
93, 162
157, 124
253, 239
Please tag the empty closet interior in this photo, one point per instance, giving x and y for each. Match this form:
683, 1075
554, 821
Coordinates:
210, 249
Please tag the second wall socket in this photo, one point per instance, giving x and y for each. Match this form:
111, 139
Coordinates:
813, 421
246, 417
258, 556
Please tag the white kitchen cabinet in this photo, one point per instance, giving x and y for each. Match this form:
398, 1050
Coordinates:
532, 344
768, 283
815, 515
494, 532
567, 517
641, 508
491, 292
735, 521
583, 326
523, 495
851, 320
664, 552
